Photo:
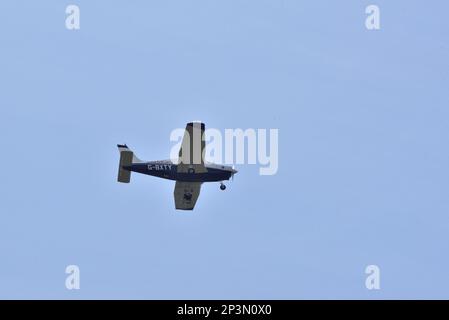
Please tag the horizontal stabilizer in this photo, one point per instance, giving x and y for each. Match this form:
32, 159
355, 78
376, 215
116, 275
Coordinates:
126, 158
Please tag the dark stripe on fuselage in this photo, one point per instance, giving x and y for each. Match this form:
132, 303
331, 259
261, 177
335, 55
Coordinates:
169, 171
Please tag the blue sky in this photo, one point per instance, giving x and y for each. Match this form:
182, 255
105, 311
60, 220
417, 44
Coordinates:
363, 119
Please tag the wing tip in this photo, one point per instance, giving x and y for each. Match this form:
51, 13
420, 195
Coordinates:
185, 209
197, 122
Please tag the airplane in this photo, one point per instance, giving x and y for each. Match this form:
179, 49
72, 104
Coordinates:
189, 172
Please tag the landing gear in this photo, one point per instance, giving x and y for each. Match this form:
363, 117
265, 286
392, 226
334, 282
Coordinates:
222, 186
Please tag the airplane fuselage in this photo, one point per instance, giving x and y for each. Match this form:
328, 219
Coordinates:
167, 170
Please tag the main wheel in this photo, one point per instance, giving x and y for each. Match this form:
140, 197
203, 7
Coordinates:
222, 187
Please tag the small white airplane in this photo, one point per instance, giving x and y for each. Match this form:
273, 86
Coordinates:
189, 173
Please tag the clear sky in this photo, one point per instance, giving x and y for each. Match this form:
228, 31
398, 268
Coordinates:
363, 119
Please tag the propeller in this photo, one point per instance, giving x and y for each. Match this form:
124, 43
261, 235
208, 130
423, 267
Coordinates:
233, 172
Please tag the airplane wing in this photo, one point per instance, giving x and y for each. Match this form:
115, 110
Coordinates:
186, 194
191, 154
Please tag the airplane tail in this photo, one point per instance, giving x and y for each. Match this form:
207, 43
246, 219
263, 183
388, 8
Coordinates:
127, 158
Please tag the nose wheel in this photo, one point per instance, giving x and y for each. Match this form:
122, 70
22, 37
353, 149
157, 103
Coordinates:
222, 186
